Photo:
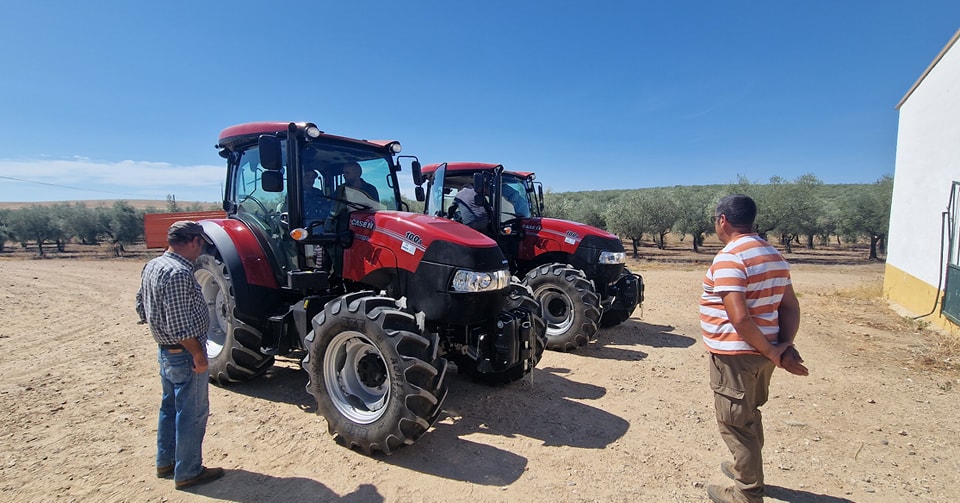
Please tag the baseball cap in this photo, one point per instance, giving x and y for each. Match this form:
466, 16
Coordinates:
185, 230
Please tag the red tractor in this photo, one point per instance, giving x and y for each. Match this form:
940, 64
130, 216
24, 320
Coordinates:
315, 255
576, 271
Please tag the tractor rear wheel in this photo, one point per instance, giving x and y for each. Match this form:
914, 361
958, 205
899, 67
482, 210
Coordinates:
629, 294
571, 307
378, 381
233, 347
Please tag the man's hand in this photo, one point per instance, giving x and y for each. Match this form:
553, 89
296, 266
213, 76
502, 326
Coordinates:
200, 363
199, 353
774, 353
791, 361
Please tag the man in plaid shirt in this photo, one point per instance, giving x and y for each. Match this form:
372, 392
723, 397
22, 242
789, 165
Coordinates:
170, 301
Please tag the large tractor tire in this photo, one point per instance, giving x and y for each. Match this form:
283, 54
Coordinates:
571, 307
378, 381
524, 308
629, 294
233, 347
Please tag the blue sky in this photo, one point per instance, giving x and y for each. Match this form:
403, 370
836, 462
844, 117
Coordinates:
125, 99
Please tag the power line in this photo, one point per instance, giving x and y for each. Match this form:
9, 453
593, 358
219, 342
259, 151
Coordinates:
61, 186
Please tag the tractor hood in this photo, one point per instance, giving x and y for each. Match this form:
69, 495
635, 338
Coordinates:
414, 238
568, 233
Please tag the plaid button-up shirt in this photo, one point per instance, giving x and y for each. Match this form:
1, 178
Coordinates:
170, 301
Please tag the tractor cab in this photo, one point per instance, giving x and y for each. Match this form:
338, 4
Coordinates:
296, 189
506, 197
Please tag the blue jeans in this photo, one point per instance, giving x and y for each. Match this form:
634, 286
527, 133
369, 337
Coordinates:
183, 414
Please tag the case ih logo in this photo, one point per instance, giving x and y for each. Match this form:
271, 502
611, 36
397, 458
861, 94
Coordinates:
413, 238
363, 224
532, 227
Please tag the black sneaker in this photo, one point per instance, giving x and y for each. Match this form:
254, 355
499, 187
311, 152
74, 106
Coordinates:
205, 475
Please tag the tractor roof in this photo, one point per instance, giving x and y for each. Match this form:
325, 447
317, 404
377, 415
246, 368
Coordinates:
246, 133
461, 168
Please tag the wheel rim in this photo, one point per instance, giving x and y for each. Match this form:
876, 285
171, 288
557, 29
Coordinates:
217, 309
356, 377
557, 310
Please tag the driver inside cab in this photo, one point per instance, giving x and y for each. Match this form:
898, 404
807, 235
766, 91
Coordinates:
355, 189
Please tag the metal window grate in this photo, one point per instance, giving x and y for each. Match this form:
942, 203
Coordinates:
951, 294
951, 289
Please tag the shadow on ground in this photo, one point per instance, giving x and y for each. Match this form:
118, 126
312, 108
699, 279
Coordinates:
541, 406
245, 486
611, 342
797, 496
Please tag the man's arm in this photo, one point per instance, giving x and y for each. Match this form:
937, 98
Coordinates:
198, 352
735, 304
141, 311
789, 314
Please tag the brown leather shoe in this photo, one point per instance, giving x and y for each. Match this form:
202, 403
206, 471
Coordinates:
729, 494
727, 468
165, 471
205, 475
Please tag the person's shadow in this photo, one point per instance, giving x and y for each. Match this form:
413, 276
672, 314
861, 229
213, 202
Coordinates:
245, 486
797, 496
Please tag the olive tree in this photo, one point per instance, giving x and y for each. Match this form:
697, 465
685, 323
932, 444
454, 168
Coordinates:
695, 207
34, 223
867, 213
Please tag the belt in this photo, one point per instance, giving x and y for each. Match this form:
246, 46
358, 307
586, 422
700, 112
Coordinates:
171, 346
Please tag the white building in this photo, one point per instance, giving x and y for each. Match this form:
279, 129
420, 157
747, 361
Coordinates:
923, 270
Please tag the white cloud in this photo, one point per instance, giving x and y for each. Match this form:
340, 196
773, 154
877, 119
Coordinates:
48, 179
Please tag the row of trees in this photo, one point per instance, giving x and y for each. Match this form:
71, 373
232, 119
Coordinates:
62, 223
803, 211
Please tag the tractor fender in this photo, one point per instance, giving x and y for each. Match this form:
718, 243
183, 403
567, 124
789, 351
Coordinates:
241, 254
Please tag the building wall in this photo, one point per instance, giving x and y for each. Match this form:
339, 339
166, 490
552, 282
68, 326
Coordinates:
927, 164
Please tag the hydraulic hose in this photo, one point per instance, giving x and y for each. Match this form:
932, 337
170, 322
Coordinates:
936, 300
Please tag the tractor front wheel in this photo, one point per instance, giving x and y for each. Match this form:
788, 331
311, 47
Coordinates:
233, 347
571, 307
378, 381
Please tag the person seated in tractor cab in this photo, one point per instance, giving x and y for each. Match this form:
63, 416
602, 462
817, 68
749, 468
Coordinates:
471, 214
355, 189
315, 204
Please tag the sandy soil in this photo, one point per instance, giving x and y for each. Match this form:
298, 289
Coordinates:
627, 418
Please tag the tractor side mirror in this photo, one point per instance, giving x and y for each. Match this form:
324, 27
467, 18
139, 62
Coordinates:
417, 174
271, 155
479, 184
271, 181
419, 193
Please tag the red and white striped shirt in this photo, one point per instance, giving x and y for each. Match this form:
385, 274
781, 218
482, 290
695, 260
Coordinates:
750, 265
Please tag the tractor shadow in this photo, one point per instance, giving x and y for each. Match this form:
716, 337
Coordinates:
610, 343
284, 382
540, 409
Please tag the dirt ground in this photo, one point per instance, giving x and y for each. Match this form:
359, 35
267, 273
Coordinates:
626, 418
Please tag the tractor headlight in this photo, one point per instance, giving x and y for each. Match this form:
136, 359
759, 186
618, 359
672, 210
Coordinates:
312, 132
609, 257
476, 281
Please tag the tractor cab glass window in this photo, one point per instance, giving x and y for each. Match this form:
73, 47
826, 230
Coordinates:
317, 201
263, 211
515, 199
365, 183
438, 202
250, 196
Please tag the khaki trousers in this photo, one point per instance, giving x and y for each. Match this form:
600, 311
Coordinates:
740, 386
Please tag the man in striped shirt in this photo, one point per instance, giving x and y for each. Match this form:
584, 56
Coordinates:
170, 301
749, 315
